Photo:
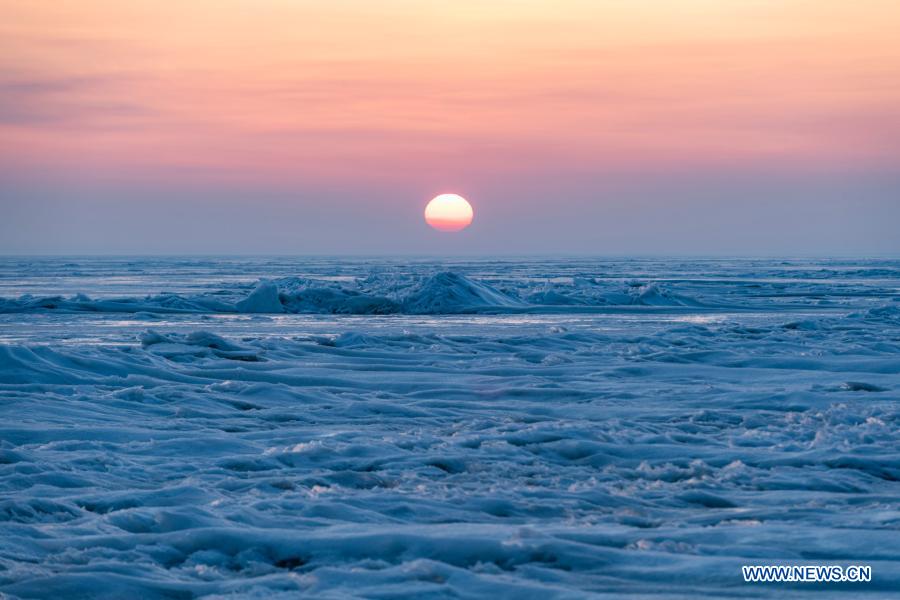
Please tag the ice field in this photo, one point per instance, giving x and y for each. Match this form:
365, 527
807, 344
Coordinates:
386, 428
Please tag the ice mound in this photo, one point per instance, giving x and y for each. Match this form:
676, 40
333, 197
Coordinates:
652, 295
450, 292
349, 339
310, 296
442, 293
176, 346
263, 299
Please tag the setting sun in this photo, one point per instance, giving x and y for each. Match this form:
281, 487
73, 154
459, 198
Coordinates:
449, 212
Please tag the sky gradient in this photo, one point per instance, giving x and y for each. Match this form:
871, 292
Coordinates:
697, 127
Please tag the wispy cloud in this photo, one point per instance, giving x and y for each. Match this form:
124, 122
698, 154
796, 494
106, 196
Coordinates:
73, 101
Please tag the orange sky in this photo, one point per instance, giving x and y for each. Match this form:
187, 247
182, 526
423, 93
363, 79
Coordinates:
284, 91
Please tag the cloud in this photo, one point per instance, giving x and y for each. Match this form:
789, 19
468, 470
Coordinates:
34, 101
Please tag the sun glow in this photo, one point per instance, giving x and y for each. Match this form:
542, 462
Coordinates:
449, 212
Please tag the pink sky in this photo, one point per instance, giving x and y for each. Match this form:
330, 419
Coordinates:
413, 97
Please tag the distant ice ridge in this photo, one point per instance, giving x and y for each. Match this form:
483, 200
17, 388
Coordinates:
445, 292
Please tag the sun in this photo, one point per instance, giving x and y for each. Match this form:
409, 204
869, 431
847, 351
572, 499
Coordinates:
449, 212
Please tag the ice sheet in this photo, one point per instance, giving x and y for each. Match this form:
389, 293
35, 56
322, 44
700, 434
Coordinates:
486, 437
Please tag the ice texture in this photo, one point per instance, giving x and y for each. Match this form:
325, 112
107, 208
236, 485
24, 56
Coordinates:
566, 428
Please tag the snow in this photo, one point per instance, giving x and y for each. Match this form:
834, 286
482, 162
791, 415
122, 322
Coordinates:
526, 428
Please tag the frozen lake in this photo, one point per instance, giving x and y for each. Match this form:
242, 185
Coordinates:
532, 428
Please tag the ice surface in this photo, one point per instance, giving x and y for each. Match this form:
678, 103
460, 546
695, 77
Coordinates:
528, 429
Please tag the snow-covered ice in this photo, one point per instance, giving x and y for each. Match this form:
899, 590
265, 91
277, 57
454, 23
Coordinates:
566, 428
